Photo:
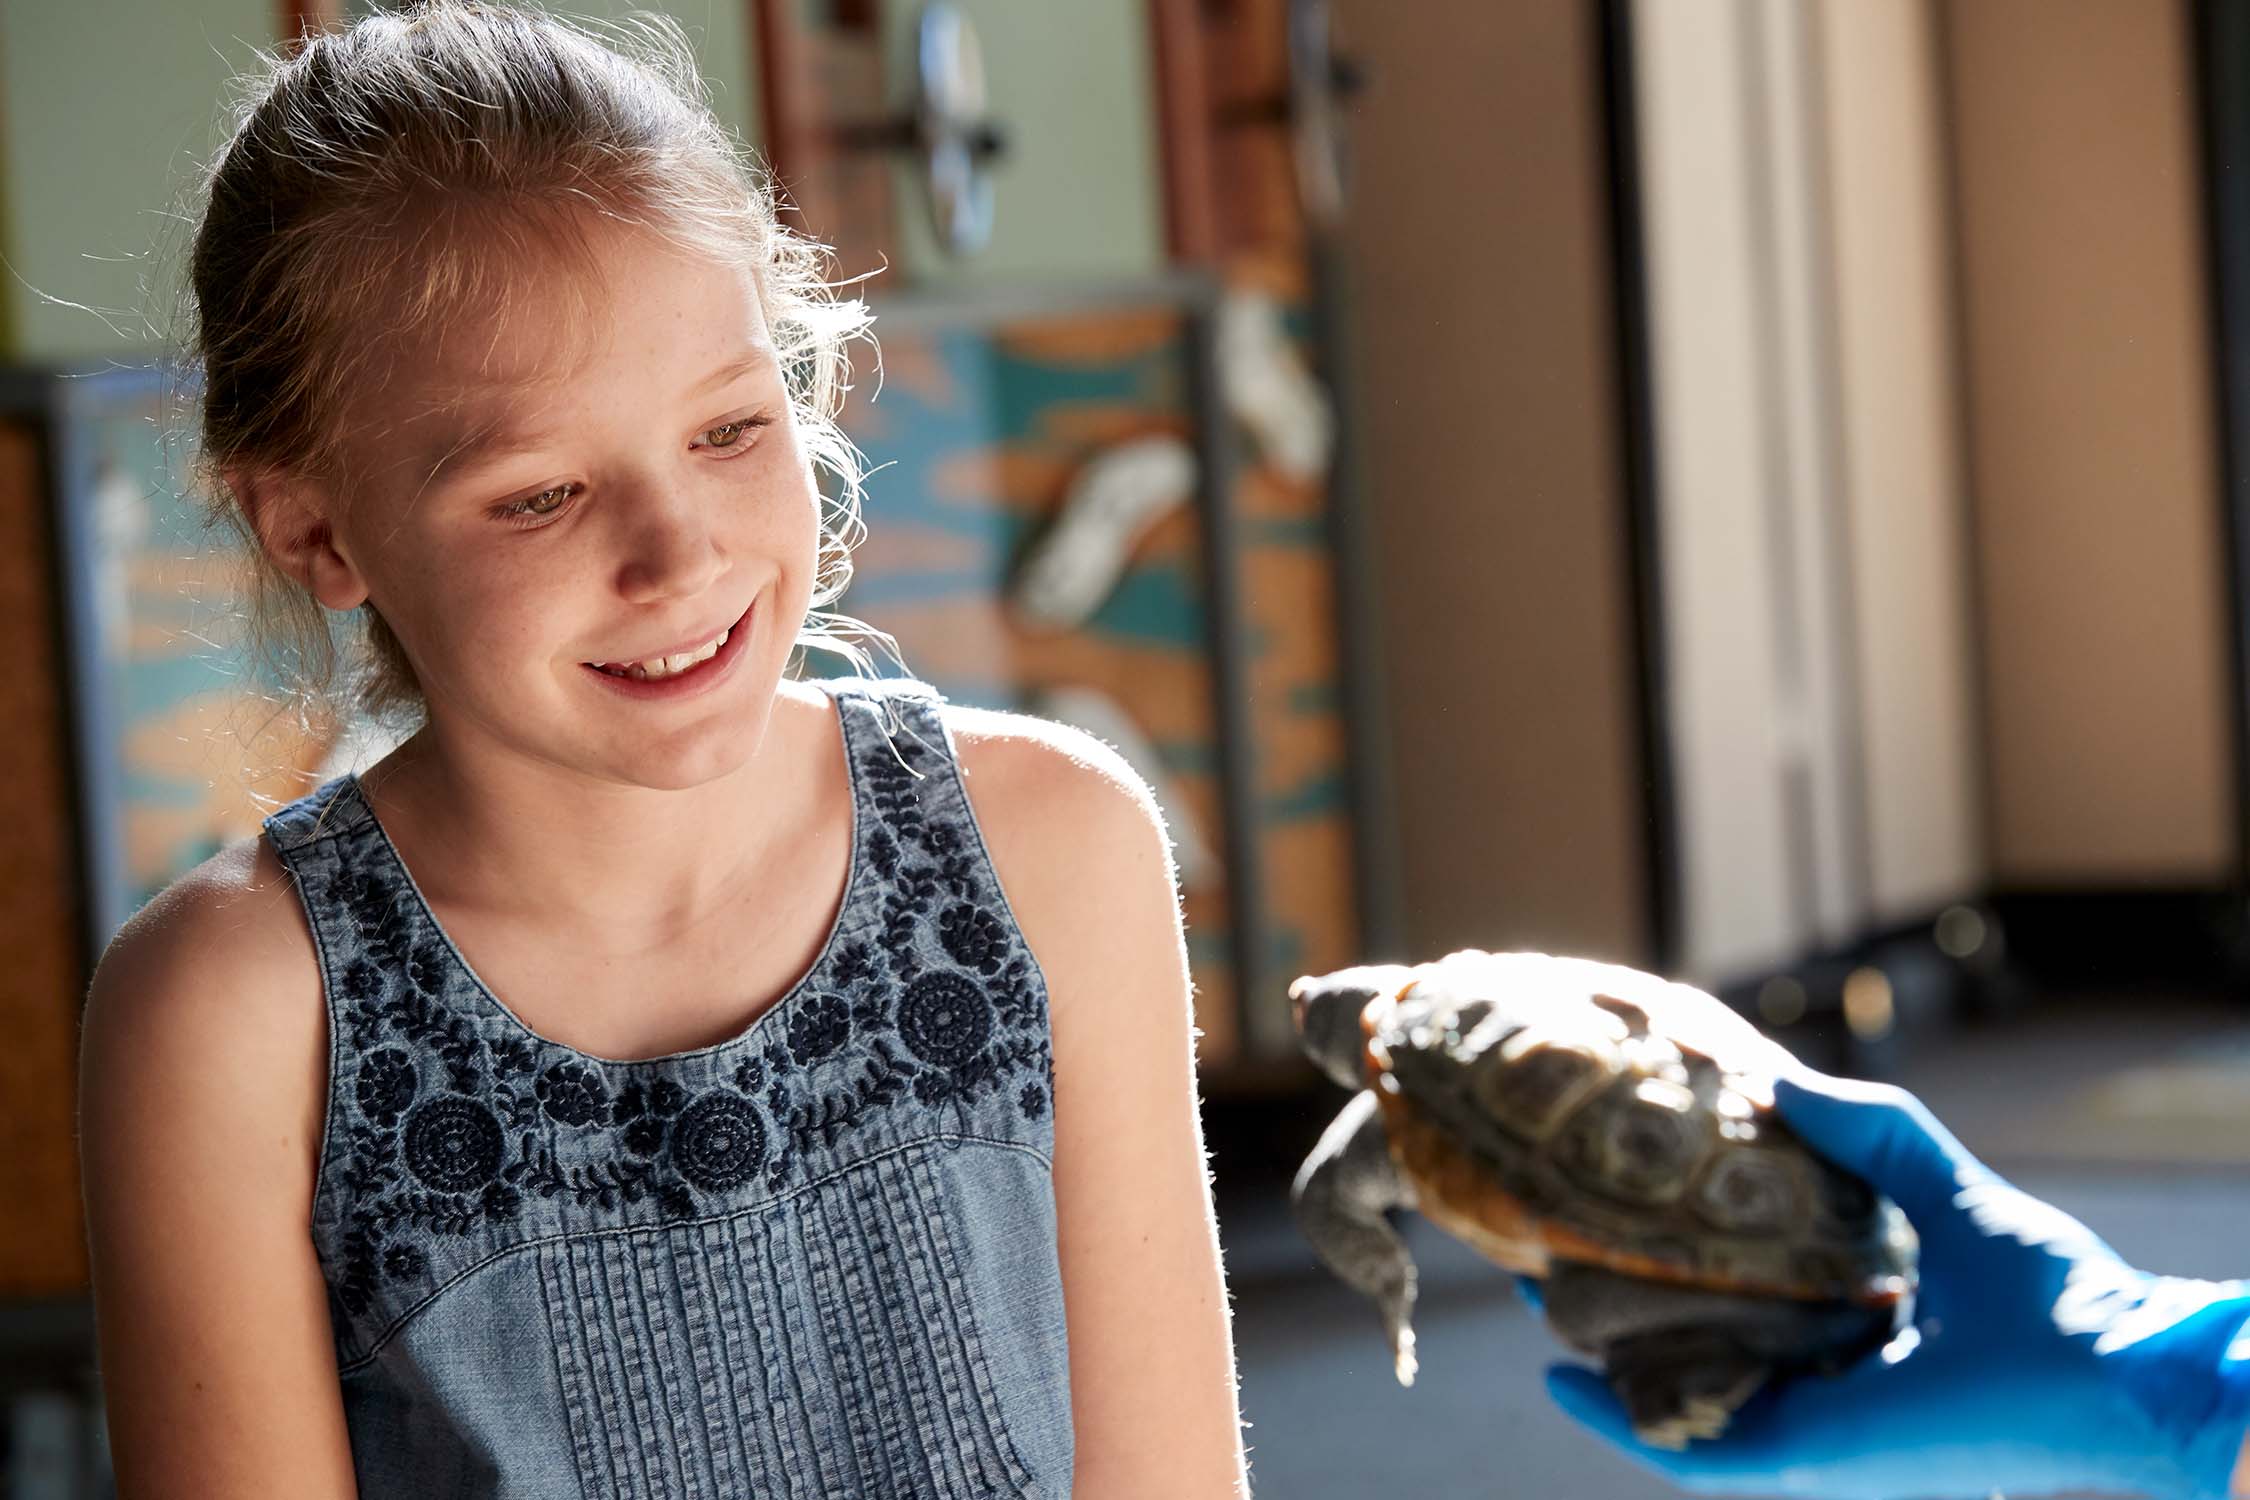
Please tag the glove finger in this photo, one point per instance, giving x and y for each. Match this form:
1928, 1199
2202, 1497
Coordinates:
1533, 1293
1885, 1135
1586, 1399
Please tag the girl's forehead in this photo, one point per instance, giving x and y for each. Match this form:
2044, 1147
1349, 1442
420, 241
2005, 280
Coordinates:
638, 310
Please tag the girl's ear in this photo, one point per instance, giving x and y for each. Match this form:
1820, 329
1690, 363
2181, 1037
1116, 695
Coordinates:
290, 518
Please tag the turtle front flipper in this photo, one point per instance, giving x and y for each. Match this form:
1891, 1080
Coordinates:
1340, 1197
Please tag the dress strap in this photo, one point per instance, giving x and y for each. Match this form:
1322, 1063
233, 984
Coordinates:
328, 811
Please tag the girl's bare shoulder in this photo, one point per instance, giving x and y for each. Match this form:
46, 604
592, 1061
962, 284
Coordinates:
213, 981
202, 1085
1046, 790
1077, 839
233, 922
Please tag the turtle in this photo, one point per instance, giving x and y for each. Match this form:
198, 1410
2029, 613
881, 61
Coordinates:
1610, 1134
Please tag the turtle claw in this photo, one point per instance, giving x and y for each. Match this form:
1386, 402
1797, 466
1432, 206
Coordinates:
1681, 1386
1395, 1297
1402, 1356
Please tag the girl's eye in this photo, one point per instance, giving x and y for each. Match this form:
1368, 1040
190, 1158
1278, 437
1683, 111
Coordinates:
728, 438
536, 509
733, 437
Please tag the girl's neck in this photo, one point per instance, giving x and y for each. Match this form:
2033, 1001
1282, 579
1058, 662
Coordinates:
509, 839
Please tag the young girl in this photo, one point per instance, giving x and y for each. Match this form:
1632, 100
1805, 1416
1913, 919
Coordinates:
660, 1076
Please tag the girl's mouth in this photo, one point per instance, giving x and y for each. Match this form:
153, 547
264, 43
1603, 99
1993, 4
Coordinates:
694, 676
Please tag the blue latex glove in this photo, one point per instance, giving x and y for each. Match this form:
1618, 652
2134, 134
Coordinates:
2037, 1360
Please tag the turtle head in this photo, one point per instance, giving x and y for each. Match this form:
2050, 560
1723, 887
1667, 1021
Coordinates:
1327, 1009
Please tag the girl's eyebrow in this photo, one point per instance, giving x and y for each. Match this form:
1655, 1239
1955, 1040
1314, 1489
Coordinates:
501, 437
759, 355
491, 441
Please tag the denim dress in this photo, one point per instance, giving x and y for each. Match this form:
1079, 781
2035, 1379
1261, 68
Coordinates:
817, 1259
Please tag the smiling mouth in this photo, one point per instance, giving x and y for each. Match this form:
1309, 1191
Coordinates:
668, 666
656, 669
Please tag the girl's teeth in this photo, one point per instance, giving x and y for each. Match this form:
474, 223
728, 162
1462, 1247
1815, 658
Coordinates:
668, 666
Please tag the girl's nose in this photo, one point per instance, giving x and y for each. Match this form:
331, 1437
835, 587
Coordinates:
670, 551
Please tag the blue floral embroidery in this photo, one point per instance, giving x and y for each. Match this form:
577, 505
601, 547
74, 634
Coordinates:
599, 1184
856, 964
892, 777
572, 1094
360, 984
824, 1118
512, 1058
719, 1141
453, 1144
645, 1136
944, 1018
817, 1027
974, 936
386, 1085
662, 1098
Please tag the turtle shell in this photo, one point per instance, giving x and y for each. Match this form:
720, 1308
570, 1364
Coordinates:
1544, 1113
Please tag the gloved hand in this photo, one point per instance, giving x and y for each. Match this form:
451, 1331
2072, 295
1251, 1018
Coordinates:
2037, 1360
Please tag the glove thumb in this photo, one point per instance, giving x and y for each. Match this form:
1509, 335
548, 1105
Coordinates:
1882, 1134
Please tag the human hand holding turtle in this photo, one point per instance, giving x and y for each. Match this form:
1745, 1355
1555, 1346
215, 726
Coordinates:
2034, 1360
2037, 1360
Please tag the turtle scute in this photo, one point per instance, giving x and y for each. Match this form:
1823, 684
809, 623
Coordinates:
1645, 1147
1615, 1130
1754, 1191
1533, 1081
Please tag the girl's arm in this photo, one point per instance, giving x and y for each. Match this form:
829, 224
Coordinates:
202, 1077
1087, 869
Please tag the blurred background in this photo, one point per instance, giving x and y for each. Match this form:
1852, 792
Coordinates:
1752, 489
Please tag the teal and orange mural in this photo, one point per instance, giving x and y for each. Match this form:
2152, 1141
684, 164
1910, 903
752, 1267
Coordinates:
980, 430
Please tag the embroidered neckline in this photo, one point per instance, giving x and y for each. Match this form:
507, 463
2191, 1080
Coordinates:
855, 893
455, 1130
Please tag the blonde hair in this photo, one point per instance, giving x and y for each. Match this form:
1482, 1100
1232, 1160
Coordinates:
405, 171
